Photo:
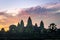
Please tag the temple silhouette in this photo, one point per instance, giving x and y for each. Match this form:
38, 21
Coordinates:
30, 31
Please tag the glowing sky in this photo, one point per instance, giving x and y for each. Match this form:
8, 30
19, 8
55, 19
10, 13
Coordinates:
12, 11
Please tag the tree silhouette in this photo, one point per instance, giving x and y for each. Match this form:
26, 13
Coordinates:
12, 28
52, 27
2, 30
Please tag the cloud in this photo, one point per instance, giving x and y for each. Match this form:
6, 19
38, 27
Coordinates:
52, 6
12, 12
36, 10
48, 13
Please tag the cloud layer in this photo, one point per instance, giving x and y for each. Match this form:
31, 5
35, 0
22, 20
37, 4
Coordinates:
48, 13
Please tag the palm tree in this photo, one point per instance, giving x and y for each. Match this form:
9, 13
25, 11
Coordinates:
52, 27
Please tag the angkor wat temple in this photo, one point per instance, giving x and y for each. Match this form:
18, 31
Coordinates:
30, 31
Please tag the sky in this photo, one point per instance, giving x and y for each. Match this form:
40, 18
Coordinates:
7, 4
13, 11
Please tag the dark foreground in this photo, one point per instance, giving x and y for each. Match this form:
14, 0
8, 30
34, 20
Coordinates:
35, 36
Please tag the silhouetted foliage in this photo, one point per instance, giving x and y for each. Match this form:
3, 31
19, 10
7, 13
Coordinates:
2, 30
12, 28
52, 27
